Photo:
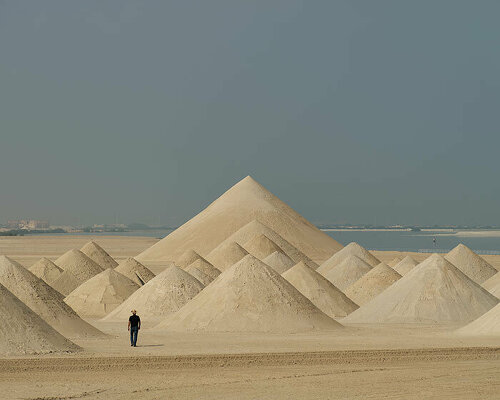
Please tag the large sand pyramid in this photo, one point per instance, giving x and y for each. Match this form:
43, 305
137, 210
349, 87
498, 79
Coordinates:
77, 268
261, 246
135, 271
201, 276
24, 332
204, 266
244, 202
352, 249
487, 324
46, 270
322, 293
249, 297
161, 296
42, 299
372, 284
471, 264
405, 265
492, 285
226, 254
434, 292
279, 261
394, 261
95, 252
347, 272
101, 294
187, 258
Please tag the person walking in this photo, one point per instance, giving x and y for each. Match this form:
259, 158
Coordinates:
134, 324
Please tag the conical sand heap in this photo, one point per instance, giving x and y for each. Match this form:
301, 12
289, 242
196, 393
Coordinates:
352, 249
95, 252
492, 285
201, 276
472, 265
77, 268
434, 292
394, 261
187, 258
320, 291
24, 332
226, 255
208, 269
279, 261
372, 284
405, 265
46, 270
249, 297
487, 324
135, 271
347, 272
261, 246
160, 297
43, 300
101, 294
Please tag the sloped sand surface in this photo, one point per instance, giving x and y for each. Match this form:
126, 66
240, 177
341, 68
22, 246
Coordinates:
487, 324
352, 249
201, 276
405, 265
279, 261
492, 285
187, 258
46, 270
394, 261
208, 269
261, 246
95, 252
471, 264
135, 271
347, 272
226, 254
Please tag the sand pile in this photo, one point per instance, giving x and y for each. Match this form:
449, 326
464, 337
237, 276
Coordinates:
320, 291
208, 269
77, 268
472, 265
279, 261
261, 246
487, 324
249, 297
394, 261
372, 284
101, 294
42, 299
492, 285
160, 297
187, 258
405, 265
95, 252
352, 249
46, 270
244, 202
226, 254
347, 272
135, 271
201, 276
434, 292
24, 332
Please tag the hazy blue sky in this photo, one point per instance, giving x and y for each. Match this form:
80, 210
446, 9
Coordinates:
350, 111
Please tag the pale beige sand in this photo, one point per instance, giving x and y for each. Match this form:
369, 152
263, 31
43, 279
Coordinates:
470, 264
352, 249
279, 261
207, 268
135, 271
347, 272
99, 255
46, 270
261, 246
405, 265
187, 258
487, 324
394, 261
201, 276
226, 254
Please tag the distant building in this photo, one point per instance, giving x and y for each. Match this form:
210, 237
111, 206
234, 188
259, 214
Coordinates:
28, 224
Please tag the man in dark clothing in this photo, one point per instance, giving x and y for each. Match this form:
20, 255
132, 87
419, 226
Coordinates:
134, 324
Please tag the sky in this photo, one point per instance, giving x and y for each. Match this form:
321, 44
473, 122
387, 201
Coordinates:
375, 112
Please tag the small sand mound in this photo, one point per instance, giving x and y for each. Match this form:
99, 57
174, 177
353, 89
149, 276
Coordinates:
486, 325
472, 265
347, 272
434, 292
279, 261
405, 265
261, 246
492, 285
160, 297
207, 268
352, 249
46, 270
187, 258
101, 294
249, 297
95, 252
372, 284
43, 300
135, 271
226, 254
394, 261
322, 293
77, 268
201, 276
24, 332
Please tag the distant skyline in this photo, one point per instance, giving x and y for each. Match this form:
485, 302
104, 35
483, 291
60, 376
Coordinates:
350, 111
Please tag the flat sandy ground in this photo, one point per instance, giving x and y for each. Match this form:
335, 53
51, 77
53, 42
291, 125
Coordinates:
359, 362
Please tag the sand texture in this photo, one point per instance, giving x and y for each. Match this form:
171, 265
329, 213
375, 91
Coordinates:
279, 261
487, 324
95, 252
470, 264
46, 270
207, 268
226, 255
135, 271
405, 265
201, 276
347, 272
352, 249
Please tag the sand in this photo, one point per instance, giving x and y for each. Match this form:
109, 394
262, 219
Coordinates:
135, 271
101, 294
46, 270
279, 261
261, 246
434, 292
347, 272
487, 324
226, 255
405, 265
249, 297
372, 284
470, 264
201, 276
492, 285
187, 258
322, 293
394, 261
352, 249
95, 252
244, 202
206, 268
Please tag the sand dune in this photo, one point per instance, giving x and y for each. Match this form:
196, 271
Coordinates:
470, 264
95, 252
347, 272
135, 271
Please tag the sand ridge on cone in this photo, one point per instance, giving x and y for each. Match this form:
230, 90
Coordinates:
405, 265
394, 261
161, 296
487, 324
208, 269
43, 300
352, 249
226, 254
261, 246
95, 252
434, 292
492, 285
471, 264
372, 284
187, 258
77, 268
244, 202
46, 270
249, 297
279, 261
322, 293
24, 332
347, 272
135, 271
101, 294
200, 275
